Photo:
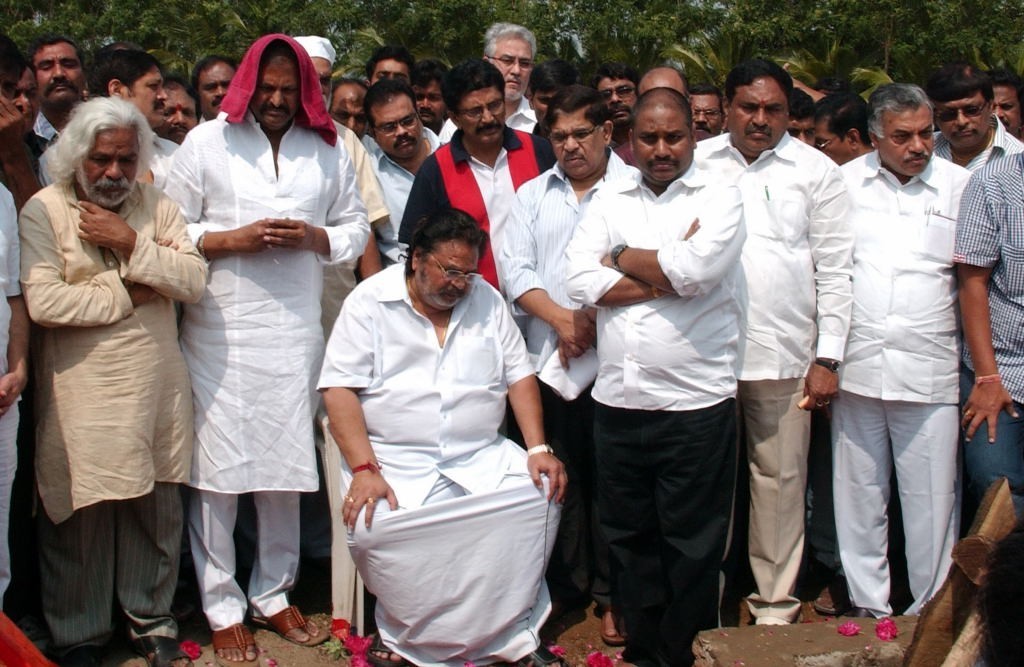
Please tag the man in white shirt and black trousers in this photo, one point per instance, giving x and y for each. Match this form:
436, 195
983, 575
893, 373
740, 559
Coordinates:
658, 254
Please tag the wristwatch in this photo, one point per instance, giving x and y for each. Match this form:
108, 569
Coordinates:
831, 364
614, 254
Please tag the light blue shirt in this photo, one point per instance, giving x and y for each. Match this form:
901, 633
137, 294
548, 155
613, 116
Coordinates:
395, 182
544, 216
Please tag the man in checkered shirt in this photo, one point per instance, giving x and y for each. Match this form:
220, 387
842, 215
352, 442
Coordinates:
990, 257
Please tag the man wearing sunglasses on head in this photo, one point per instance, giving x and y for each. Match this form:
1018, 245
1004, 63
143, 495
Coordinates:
969, 133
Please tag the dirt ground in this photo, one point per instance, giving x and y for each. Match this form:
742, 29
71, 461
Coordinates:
577, 631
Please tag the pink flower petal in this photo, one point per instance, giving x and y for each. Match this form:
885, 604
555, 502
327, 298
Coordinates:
886, 630
191, 649
271, 662
468, 664
848, 629
357, 645
598, 659
557, 650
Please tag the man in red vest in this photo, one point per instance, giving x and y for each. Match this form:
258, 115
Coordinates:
485, 163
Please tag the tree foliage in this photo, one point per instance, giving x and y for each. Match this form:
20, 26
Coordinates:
899, 39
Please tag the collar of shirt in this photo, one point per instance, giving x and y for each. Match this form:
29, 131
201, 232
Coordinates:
509, 141
384, 160
787, 149
398, 290
693, 178
872, 167
44, 128
614, 170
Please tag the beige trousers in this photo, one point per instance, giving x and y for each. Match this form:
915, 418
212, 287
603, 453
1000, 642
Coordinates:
778, 437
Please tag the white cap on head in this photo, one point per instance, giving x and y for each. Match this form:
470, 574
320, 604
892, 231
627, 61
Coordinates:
317, 47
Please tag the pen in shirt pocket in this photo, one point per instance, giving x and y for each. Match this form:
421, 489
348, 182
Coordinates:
767, 196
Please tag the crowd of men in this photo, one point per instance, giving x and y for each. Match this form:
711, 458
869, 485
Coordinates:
218, 277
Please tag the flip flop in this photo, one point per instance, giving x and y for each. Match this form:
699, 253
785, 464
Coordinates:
377, 661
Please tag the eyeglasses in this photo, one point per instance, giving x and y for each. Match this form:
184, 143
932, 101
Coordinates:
560, 138
822, 145
708, 113
970, 111
510, 61
407, 123
455, 274
620, 91
476, 113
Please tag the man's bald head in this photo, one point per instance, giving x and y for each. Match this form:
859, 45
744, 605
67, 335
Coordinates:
663, 77
662, 96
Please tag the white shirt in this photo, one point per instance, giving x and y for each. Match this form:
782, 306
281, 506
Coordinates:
163, 158
796, 288
1003, 143
544, 216
10, 269
523, 118
430, 411
254, 341
396, 182
677, 352
903, 343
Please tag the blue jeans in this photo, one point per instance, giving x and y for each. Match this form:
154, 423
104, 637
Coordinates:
986, 462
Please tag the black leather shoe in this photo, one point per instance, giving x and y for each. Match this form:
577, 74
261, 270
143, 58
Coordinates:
81, 656
834, 599
858, 612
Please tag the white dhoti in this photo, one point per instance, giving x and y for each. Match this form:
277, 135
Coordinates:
461, 579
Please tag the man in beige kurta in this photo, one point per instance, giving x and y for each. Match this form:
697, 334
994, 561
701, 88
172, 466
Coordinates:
113, 402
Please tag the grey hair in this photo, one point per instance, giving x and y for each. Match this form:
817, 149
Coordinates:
88, 120
505, 31
894, 98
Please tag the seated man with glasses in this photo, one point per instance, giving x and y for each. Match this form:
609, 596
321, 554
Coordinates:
483, 166
968, 131
450, 523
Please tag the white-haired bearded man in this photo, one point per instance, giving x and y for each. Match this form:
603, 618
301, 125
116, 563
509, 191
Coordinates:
103, 260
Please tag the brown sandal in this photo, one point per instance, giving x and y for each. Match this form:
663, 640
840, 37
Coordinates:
289, 619
236, 637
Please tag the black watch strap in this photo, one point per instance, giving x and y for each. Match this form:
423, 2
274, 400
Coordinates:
831, 364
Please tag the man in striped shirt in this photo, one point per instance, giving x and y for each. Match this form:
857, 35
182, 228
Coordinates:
560, 334
990, 258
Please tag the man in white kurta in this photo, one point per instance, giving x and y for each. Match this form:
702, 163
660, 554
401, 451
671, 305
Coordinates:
271, 196
460, 531
898, 388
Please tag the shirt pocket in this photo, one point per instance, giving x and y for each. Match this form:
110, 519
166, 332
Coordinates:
477, 359
938, 237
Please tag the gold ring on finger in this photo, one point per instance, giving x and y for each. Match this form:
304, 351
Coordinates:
349, 499
370, 501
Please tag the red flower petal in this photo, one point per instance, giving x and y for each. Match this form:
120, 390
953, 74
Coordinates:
191, 649
598, 659
848, 629
886, 630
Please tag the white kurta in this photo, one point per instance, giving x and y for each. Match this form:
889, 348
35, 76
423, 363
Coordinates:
254, 342
459, 579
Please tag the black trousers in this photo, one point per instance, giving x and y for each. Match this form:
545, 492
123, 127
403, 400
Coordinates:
578, 569
665, 486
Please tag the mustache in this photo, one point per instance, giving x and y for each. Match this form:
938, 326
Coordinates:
60, 81
762, 129
488, 126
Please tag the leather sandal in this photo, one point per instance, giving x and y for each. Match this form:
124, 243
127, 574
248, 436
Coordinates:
235, 637
380, 655
288, 619
161, 651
